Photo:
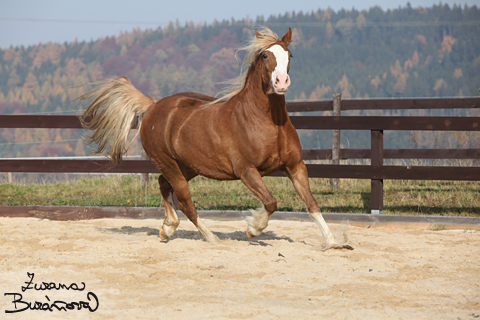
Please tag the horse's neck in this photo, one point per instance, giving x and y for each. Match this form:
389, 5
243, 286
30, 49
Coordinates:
278, 109
258, 102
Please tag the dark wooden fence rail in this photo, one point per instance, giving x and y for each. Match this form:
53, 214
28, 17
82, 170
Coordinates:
376, 172
387, 104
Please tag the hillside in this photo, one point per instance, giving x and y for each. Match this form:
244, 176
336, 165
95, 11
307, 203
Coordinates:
408, 52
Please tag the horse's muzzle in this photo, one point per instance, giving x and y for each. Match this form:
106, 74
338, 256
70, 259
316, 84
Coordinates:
281, 83
280, 91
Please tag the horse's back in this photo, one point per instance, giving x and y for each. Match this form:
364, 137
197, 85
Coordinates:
170, 112
179, 127
175, 106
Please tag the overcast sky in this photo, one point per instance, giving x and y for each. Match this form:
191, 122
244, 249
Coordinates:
29, 22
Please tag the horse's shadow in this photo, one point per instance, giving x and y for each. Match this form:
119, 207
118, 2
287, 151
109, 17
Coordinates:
195, 235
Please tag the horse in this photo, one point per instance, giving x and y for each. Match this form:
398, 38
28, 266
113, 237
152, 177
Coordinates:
244, 135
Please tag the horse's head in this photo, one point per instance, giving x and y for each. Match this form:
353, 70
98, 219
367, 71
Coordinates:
276, 59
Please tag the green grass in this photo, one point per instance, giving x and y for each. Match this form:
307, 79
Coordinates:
453, 198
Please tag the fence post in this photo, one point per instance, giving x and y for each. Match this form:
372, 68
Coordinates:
143, 176
337, 110
376, 193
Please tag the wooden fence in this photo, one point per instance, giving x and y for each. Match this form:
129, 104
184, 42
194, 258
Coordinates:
376, 172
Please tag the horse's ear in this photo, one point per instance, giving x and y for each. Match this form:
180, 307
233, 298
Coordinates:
287, 38
258, 34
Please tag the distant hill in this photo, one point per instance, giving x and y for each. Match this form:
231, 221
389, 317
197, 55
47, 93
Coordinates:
407, 52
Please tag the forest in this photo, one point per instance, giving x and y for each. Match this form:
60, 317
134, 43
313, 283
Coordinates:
402, 53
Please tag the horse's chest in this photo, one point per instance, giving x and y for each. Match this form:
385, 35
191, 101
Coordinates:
277, 152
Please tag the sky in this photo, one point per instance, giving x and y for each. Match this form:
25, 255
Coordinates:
29, 22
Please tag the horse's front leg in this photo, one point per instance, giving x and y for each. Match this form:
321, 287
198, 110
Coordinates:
259, 219
299, 176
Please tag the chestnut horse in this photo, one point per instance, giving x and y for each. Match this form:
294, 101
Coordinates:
247, 134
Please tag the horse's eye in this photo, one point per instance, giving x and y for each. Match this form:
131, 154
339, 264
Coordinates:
290, 56
265, 56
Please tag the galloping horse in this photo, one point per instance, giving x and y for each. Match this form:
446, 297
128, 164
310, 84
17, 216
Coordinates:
244, 135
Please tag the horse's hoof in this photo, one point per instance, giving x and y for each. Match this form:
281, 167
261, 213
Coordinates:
213, 240
162, 236
251, 236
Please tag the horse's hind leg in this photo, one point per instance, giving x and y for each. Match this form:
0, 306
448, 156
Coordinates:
178, 181
171, 221
180, 185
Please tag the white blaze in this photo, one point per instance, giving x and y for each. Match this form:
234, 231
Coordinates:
281, 55
282, 58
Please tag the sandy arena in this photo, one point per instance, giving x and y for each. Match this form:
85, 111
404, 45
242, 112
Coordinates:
283, 274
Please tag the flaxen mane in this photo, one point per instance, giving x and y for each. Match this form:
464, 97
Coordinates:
256, 45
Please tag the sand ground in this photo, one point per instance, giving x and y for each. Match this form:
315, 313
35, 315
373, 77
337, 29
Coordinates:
283, 274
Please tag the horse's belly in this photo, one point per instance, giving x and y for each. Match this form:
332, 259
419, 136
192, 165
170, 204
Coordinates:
208, 164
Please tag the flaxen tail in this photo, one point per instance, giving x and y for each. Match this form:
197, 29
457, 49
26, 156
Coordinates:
111, 114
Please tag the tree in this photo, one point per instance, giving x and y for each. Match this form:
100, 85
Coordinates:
320, 92
225, 62
401, 84
79, 148
361, 21
345, 26
344, 87
73, 67
13, 80
329, 30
